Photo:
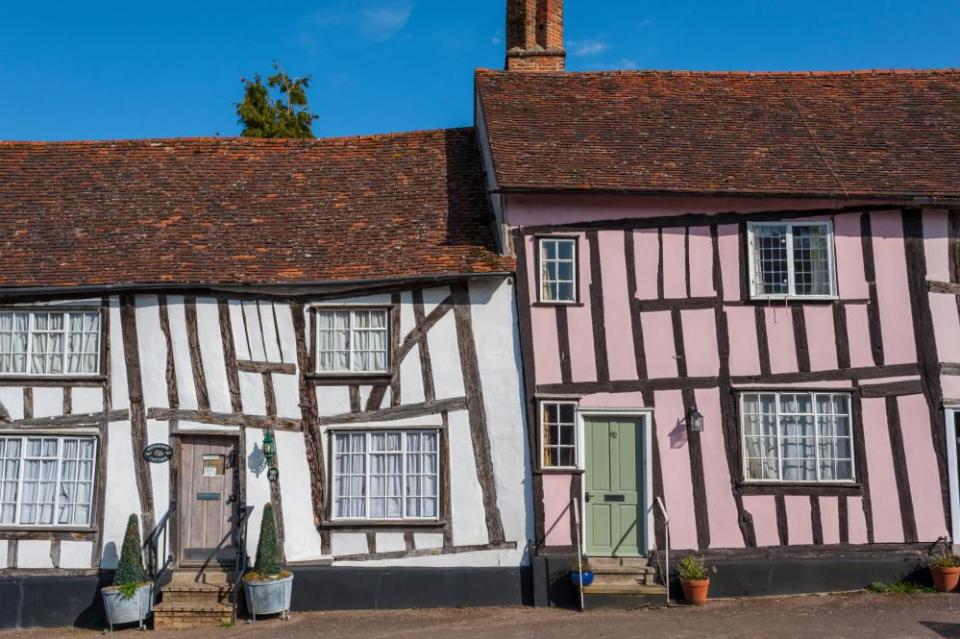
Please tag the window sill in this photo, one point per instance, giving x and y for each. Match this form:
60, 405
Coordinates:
353, 524
795, 299
800, 488
560, 470
61, 379
334, 379
557, 304
47, 532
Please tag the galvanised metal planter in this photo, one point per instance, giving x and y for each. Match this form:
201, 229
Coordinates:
268, 596
121, 611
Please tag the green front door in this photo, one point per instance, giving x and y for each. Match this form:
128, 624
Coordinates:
614, 486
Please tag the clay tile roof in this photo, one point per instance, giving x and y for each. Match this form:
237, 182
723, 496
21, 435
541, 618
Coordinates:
242, 211
870, 133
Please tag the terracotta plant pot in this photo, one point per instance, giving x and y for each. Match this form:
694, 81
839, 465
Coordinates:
945, 579
695, 592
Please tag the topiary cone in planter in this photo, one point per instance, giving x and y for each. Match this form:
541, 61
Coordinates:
130, 598
268, 587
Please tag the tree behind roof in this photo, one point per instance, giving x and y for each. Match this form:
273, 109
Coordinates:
277, 109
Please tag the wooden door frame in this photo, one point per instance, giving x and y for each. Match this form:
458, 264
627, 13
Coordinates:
176, 442
951, 415
645, 417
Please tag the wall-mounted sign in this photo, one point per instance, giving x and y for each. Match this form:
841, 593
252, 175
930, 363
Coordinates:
273, 474
158, 453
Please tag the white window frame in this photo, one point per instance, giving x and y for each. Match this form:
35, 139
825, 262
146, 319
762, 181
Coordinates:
403, 454
541, 407
791, 274
541, 282
56, 504
816, 430
351, 371
32, 313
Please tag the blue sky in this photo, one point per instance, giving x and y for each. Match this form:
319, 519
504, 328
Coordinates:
100, 70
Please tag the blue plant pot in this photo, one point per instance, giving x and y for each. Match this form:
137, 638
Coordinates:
586, 577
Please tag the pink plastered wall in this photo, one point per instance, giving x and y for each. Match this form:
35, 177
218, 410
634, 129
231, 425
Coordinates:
675, 466
621, 360
893, 293
763, 511
556, 509
884, 500
780, 340
922, 467
721, 508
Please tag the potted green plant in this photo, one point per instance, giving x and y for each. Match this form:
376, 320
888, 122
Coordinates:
268, 586
130, 598
694, 580
945, 570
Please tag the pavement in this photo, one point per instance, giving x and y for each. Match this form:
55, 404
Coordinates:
858, 615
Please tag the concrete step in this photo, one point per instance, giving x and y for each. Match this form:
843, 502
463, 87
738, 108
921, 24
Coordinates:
604, 569
177, 616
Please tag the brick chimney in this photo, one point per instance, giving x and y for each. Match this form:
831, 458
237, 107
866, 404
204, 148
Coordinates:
535, 35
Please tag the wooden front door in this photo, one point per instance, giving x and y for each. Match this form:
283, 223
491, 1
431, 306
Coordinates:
614, 486
208, 501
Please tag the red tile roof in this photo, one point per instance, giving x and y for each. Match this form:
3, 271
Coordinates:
883, 133
243, 211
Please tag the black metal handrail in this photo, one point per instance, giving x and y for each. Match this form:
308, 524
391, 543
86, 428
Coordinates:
152, 546
240, 541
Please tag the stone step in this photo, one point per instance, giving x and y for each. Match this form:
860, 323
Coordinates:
624, 578
624, 589
604, 569
207, 577
598, 563
177, 616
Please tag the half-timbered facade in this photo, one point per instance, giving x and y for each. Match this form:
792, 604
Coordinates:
738, 296
341, 298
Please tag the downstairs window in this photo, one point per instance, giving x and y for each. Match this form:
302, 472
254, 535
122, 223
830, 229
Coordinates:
797, 437
46, 481
386, 475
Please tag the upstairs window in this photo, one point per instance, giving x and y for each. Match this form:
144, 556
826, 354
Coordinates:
49, 343
791, 259
797, 437
352, 341
558, 270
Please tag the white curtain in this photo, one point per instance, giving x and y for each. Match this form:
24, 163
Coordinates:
350, 473
334, 340
370, 340
9, 478
39, 482
13, 342
48, 343
386, 476
83, 342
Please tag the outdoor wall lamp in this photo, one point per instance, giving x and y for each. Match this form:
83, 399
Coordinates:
694, 420
269, 447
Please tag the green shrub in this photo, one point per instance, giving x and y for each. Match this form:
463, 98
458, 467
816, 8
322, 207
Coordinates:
691, 569
130, 574
898, 587
268, 554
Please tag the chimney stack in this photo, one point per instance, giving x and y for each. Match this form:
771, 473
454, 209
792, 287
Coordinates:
535, 35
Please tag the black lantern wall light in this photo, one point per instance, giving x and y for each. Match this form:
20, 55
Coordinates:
694, 420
